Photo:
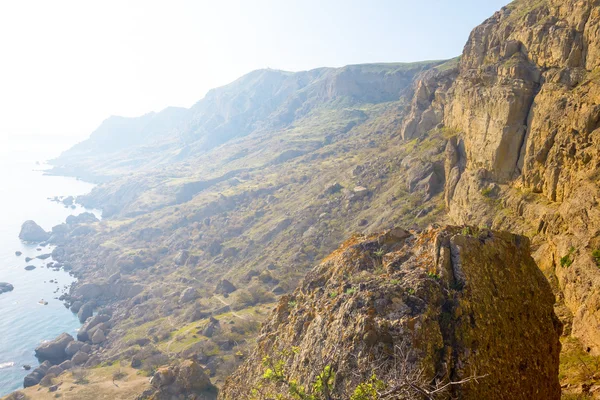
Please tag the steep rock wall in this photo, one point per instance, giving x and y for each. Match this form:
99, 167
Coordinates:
525, 111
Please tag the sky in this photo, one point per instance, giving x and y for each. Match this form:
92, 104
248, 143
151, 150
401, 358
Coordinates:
66, 65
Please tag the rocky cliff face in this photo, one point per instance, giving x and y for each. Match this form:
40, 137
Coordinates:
450, 303
524, 106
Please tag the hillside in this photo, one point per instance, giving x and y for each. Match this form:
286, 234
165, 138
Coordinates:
215, 214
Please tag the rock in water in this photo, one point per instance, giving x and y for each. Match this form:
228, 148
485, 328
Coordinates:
455, 302
32, 232
54, 351
5, 287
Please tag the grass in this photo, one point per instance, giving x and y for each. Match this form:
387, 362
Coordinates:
576, 365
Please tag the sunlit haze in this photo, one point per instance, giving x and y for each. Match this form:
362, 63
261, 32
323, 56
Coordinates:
67, 65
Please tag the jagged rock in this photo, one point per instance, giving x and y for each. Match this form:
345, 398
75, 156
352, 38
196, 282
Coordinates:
188, 295
225, 287
5, 287
32, 232
438, 296
54, 350
80, 358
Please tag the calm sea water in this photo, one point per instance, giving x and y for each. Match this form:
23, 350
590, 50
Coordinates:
24, 192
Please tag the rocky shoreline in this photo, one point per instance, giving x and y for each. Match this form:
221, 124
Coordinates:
65, 352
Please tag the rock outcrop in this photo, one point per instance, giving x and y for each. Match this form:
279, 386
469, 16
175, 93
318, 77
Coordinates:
450, 303
32, 232
187, 379
54, 350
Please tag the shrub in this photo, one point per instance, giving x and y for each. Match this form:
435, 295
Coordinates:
567, 260
596, 255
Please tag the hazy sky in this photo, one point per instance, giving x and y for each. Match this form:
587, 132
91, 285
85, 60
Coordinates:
65, 65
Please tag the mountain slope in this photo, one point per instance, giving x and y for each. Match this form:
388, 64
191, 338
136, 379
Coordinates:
261, 101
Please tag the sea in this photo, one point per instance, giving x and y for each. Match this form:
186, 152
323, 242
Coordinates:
31, 313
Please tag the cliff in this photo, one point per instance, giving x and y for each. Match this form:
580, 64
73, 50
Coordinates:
524, 108
404, 309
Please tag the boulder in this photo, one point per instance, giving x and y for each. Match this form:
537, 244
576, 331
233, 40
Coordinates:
80, 358
212, 326
5, 287
76, 306
164, 376
84, 332
89, 291
443, 305
191, 377
73, 347
36, 375
55, 370
225, 287
98, 336
32, 232
27, 259
18, 253
188, 295
44, 256
30, 268
66, 365
54, 350
86, 311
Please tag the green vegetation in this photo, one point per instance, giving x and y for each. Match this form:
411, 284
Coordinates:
596, 256
368, 390
350, 291
486, 192
567, 260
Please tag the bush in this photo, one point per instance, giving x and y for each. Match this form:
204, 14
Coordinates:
596, 256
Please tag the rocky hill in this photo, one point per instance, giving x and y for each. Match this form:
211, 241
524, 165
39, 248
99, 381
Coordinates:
213, 217
402, 314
